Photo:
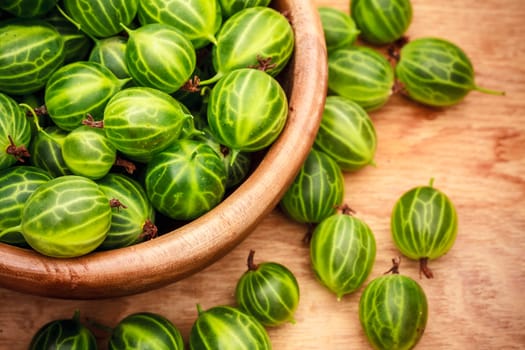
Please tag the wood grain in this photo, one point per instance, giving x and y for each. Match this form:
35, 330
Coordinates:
475, 152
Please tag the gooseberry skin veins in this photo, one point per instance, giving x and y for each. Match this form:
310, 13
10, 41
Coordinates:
436, 72
393, 312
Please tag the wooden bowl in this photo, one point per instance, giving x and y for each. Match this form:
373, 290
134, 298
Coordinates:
192, 247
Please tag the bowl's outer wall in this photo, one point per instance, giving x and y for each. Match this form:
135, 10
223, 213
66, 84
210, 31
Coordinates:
198, 244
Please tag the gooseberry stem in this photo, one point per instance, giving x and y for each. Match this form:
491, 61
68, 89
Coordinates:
192, 85
76, 24
234, 154
34, 115
42, 110
199, 309
91, 122
115, 203
263, 63
488, 91
251, 265
128, 166
66, 16
309, 233
192, 130
395, 266
126, 29
211, 80
346, 210
19, 152
149, 230
424, 269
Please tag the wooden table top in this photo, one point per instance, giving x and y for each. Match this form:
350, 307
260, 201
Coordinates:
475, 152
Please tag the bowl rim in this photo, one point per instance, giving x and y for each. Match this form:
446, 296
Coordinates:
199, 243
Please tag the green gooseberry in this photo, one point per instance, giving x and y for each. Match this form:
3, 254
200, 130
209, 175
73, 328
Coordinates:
88, 152
227, 327
268, 291
424, 225
436, 72
381, 22
317, 190
339, 28
346, 134
393, 311
111, 53
342, 252
361, 74
145, 330
64, 334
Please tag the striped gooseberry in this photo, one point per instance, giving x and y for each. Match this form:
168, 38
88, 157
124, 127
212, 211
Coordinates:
31, 51
91, 80
17, 183
199, 20
88, 152
339, 28
133, 216
436, 72
65, 217
15, 132
424, 225
142, 121
185, 180
46, 151
316, 191
381, 22
145, 330
342, 252
111, 53
227, 327
238, 165
253, 37
67, 333
361, 74
393, 311
243, 126
101, 19
268, 291
346, 133
167, 69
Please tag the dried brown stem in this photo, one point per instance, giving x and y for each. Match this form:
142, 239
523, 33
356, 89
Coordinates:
192, 85
346, 209
91, 122
130, 167
263, 63
115, 203
395, 266
149, 230
309, 233
42, 110
394, 49
399, 88
424, 269
39, 111
19, 152
251, 265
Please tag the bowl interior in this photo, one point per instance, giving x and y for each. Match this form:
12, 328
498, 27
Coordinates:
192, 247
